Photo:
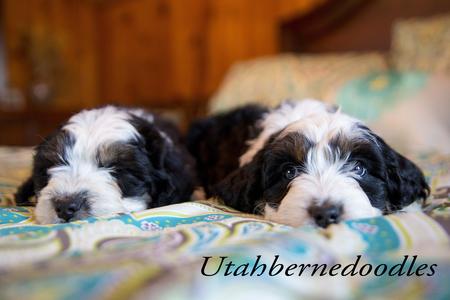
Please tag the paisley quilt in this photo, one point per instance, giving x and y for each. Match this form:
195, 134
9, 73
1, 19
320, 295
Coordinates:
204, 250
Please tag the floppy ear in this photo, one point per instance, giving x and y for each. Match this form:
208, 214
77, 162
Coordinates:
173, 182
156, 146
242, 189
171, 171
162, 186
405, 181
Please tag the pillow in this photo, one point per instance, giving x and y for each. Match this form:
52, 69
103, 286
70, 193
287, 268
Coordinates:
410, 110
422, 44
369, 96
270, 80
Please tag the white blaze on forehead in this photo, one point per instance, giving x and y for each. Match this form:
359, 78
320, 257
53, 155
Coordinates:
314, 119
322, 127
92, 128
274, 121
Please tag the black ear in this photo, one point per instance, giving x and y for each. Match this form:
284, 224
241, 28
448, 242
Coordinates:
242, 189
171, 173
405, 181
173, 180
163, 189
160, 155
158, 137
156, 146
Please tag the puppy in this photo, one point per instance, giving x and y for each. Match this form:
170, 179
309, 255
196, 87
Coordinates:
302, 163
106, 161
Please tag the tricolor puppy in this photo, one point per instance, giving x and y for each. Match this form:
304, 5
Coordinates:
302, 163
106, 161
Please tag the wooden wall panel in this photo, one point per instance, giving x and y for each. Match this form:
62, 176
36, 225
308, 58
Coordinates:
52, 44
188, 23
151, 49
135, 52
289, 9
237, 30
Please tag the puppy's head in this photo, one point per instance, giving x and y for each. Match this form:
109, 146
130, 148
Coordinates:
323, 168
101, 162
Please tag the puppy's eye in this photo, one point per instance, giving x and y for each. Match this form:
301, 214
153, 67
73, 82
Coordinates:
359, 170
290, 172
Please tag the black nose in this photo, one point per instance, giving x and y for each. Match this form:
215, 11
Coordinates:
67, 207
326, 214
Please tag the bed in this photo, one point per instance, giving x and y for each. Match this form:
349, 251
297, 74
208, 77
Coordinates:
160, 253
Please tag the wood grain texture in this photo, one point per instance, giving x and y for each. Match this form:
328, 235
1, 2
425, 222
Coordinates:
52, 43
136, 51
64, 55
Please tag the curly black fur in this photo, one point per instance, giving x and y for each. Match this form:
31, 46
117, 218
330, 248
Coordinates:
218, 141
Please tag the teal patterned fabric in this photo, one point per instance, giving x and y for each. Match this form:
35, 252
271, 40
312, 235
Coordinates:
15, 217
158, 253
166, 264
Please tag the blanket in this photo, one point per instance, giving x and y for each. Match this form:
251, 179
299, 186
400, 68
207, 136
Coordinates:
181, 251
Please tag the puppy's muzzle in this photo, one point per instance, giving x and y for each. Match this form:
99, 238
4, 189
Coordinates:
326, 214
68, 207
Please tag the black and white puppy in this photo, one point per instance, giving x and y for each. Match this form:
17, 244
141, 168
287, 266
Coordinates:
105, 161
302, 163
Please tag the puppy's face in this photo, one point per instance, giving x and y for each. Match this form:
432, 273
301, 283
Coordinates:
97, 164
324, 168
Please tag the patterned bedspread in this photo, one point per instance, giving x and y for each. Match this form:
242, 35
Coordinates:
174, 252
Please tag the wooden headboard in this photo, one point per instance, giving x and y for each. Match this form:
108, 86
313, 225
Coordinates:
353, 25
